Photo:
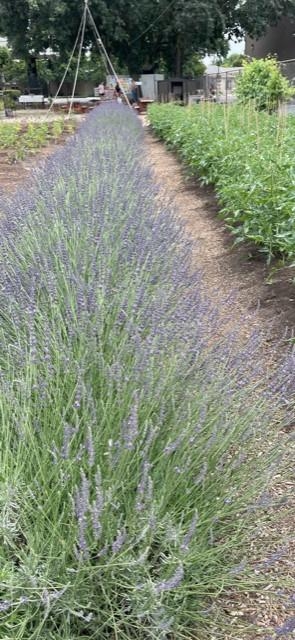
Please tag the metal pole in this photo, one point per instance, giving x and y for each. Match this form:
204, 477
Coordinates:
67, 69
101, 45
79, 58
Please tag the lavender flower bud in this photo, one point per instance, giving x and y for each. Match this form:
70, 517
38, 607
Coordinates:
119, 541
171, 583
188, 537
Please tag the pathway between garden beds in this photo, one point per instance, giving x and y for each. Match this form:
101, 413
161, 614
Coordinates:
261, 291
263, 298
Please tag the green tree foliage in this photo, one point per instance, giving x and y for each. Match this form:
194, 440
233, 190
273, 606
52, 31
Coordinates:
262, 82
4, 57
12, 70
91, 68
194, 66
144, 34
234, 60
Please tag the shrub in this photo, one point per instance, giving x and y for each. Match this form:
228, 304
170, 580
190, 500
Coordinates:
249, 157
128, 431
234, 60
263, 83
10, 97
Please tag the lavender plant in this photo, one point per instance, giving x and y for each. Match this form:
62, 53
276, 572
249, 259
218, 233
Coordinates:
128, 427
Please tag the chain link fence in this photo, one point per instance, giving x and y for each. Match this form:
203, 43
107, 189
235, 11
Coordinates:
215, 87
288, 69
220, 87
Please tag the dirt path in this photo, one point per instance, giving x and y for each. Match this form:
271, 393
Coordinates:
263, 299
265, 295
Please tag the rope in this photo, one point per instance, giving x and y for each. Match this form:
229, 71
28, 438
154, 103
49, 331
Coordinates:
103, 52
153, 23
67, 69
79, 57
100, 44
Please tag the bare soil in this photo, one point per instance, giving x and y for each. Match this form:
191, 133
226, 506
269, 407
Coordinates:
14, 174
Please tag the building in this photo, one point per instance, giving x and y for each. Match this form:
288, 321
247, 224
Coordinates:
279, 41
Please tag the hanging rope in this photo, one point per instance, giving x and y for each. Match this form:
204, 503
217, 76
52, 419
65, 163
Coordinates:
79, 56
67, 68
104, 54
102, 47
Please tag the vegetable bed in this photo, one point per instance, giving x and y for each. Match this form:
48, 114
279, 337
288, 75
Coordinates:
129, 430
18, 140
250, 159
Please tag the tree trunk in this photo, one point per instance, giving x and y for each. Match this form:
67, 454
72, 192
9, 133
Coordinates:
179, 58
33, 79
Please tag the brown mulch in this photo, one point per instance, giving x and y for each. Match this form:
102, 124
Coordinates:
262, 297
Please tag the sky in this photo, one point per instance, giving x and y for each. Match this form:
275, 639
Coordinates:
237, 47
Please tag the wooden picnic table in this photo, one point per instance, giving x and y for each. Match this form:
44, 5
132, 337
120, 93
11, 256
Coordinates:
143, 104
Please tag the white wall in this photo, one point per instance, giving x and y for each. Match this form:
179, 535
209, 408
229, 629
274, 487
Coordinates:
149, 85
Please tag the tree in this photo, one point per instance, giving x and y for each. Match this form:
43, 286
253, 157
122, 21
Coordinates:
194, 66
143, 34
234, 60
11, 70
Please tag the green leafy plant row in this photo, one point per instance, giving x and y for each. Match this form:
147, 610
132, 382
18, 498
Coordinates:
248, 157
19, 140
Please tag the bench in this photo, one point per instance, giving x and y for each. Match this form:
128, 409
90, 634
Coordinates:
33, 100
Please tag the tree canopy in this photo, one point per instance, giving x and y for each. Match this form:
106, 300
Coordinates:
234, 60
150, 34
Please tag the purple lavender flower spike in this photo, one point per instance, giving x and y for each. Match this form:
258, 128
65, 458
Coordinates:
89, 445
68, 434
5, 605
97, 507
130, 426
189, 535
81, 510
119, 541
171, 583
287, 628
